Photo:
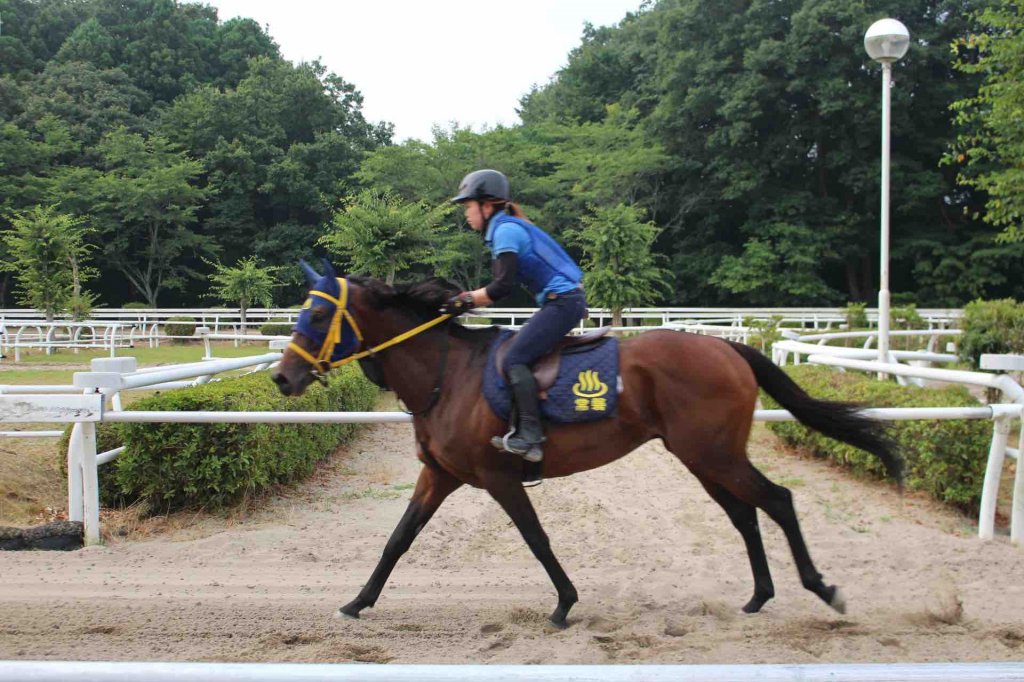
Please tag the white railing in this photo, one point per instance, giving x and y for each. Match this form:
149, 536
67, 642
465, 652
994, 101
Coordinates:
18, 335
219, 319
1012, 393
115, 375
130, 671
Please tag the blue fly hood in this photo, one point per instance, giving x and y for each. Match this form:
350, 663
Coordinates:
330, 293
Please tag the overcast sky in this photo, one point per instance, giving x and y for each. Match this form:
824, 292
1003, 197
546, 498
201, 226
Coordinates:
425, 62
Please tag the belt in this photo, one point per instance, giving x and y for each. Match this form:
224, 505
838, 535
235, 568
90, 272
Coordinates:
551, 296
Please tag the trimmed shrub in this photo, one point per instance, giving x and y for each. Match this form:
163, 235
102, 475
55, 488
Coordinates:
906, 317
276, 328
180, 326
946, 459
763, 332
992, 327
177, 466
137, 305
856, 316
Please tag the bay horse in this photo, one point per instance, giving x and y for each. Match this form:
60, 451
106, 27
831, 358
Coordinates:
696, 393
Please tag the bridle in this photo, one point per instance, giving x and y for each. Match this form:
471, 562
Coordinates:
322, 363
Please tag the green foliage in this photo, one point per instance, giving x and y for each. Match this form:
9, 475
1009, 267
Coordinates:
47, 255
137, 305
906, 317
276, 328
945, 459
768, 114
246, 283
991, 327
747, 132
213, 465
856, 316
178, 136
381, 234
763, 332
620, 271
80, 305
180, 325
990, 144
145, 204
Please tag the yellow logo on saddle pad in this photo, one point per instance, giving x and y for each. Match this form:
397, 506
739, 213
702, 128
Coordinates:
589, 388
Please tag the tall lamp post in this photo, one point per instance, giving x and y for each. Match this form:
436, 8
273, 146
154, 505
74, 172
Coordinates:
886, 41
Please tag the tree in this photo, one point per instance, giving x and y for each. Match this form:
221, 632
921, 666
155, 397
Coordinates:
145, 206
47, 254
246, 283
381, 235
620, 271
990, 144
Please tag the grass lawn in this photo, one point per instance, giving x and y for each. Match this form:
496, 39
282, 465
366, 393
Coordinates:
32, 487
166, 354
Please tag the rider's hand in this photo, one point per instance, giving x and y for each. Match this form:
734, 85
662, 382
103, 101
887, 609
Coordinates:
458, 304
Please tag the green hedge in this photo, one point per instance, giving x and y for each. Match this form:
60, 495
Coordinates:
992, 327
177, 466
276, 328
946, 459
180, 326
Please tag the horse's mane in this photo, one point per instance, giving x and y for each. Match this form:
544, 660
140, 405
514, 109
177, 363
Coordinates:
420, 300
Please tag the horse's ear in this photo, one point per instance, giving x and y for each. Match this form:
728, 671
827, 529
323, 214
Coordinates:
328, 268
311, 275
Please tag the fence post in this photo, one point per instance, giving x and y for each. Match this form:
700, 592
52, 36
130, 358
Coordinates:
993, 470
1017, 515
75, 509
90, 484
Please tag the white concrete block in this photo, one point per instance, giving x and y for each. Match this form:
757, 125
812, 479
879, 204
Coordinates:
1005, 363
119, 365
98, 380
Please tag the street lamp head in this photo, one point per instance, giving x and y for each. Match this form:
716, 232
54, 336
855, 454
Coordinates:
887, 41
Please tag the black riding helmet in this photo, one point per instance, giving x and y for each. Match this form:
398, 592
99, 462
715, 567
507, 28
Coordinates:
483, 184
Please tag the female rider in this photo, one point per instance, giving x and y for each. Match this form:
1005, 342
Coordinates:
522, 253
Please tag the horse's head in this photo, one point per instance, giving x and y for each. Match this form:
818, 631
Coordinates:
324, 334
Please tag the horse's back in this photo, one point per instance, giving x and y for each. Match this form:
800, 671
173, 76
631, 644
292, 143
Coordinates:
706, 364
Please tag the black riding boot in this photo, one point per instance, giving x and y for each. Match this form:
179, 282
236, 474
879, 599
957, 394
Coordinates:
529, 433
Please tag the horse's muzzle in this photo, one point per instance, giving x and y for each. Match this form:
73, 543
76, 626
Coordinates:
282, 382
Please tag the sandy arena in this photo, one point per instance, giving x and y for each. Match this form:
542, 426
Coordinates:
660, 571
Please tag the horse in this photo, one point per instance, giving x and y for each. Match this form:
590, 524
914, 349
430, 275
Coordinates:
696, 393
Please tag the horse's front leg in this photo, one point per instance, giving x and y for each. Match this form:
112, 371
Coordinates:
513, 499
433, 486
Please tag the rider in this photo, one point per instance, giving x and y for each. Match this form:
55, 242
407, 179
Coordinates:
525, 254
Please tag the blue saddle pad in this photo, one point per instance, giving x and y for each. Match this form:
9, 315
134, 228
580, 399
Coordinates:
586, 388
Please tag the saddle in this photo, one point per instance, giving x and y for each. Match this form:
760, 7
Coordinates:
545, 368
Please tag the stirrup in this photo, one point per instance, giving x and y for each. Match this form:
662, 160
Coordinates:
533, 454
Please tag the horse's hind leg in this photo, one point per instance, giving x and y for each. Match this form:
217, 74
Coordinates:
751, 486
744, 518
433, 486
513, 499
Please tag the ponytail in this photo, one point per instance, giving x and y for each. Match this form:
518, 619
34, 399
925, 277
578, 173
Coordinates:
509, 207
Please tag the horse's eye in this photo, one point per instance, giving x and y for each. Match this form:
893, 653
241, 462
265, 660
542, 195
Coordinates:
318, 314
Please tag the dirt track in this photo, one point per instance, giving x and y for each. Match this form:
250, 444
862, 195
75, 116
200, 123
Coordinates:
660, 571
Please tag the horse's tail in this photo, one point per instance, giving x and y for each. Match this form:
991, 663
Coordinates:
842, 421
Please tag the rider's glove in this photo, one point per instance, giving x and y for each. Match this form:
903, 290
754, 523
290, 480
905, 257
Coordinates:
458, 304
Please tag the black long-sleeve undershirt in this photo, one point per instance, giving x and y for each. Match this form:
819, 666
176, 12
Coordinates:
503, 270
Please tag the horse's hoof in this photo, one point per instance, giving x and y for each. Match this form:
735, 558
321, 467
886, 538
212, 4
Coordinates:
559, 615
838, 600
351, 610
559, 624
755, 604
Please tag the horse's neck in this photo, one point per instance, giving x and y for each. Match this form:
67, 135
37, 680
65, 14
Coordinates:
412, 367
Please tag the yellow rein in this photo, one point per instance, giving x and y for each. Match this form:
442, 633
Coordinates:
322, 362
